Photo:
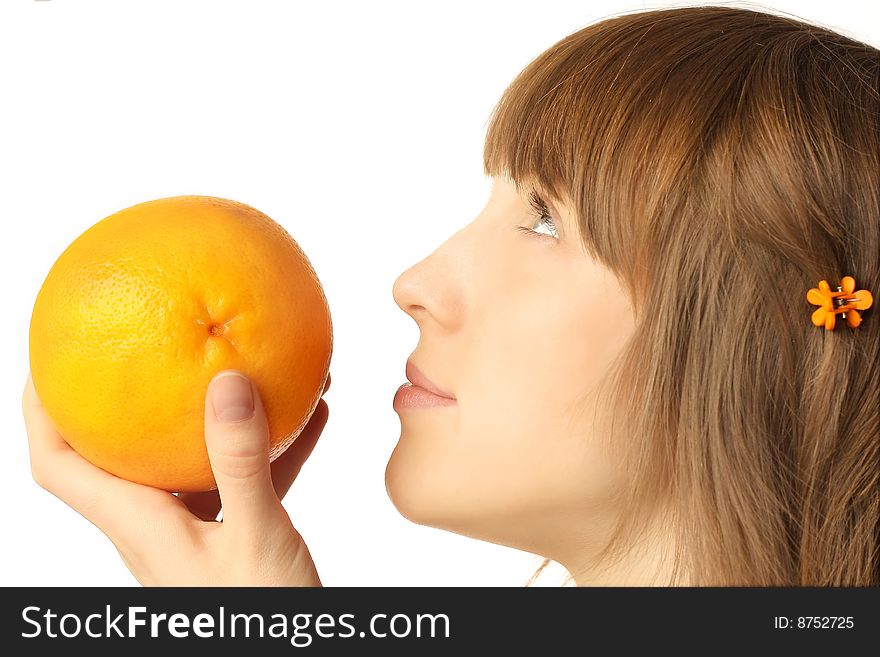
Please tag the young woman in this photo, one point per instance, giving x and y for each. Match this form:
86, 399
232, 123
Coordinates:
630, 380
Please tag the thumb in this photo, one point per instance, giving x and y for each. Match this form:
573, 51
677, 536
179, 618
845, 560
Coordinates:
237, 439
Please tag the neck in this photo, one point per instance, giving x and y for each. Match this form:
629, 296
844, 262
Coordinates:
647, 563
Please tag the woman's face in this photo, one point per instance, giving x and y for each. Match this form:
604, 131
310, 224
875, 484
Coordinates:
517, 327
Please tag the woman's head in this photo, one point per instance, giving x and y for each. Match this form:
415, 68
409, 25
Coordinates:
517, 326
707, 166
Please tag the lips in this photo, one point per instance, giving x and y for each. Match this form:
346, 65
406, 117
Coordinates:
414, 376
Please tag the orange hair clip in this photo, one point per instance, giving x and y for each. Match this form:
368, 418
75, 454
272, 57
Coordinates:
845, 300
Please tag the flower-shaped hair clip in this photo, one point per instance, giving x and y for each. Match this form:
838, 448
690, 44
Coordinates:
845, 300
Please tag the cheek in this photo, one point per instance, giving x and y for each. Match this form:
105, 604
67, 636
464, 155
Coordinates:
514, 458
525, 440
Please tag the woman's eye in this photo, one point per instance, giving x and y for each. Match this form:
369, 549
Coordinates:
541, 216
546, 220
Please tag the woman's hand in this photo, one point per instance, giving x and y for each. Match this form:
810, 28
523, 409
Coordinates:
175, 540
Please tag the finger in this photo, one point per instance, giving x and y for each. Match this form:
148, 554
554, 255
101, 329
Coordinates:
286, 467
125, 511
237, 439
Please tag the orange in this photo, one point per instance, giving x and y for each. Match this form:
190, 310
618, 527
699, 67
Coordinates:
146, 306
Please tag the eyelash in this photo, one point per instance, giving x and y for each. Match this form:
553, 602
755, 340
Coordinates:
542, 212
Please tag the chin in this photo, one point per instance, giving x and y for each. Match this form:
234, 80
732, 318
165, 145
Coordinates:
420, 492
425, 497
405, 488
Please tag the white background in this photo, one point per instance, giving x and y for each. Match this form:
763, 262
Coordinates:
356, 125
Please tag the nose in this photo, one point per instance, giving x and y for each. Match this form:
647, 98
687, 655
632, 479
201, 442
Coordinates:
429, 291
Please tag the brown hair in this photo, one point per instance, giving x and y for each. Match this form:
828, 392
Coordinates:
721, 162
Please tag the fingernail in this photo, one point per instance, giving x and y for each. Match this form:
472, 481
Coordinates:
232, 397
